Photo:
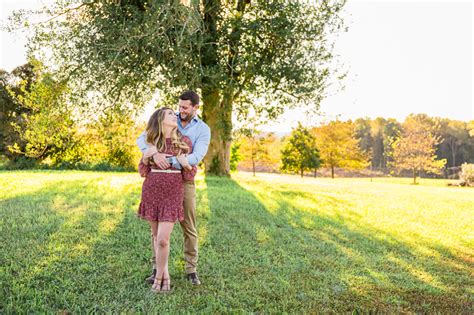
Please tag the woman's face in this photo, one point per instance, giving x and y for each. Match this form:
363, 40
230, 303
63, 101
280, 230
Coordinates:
170, 119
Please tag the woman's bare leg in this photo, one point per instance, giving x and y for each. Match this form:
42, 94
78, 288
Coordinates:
162, 252
154, 232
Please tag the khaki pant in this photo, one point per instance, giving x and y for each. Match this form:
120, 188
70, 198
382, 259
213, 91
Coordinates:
189, 229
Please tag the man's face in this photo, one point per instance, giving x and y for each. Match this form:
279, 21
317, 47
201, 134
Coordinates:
187, 110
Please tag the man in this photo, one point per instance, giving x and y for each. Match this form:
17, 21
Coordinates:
200, 134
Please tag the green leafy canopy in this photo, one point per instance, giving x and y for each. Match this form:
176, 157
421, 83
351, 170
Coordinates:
118, 53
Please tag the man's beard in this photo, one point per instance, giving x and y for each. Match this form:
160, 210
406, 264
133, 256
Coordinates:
187, 118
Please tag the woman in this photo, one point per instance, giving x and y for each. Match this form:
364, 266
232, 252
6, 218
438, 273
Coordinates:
163, 192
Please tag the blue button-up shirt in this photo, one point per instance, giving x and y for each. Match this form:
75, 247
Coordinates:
197, 131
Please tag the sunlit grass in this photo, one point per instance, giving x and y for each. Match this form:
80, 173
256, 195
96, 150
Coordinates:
271, 243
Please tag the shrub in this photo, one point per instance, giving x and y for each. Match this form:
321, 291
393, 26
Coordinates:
22, 163
467, 174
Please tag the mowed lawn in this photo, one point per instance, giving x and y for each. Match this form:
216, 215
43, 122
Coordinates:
71, 242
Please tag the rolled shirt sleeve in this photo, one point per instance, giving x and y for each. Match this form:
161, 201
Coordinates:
141, 142
200, 147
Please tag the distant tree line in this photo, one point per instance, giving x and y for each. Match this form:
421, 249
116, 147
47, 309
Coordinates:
455, 139
421, 144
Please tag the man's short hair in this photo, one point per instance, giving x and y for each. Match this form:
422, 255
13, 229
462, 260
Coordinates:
190, 96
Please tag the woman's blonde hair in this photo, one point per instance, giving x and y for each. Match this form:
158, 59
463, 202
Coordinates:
155, 134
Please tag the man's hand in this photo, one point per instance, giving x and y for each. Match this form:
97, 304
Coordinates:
184, 162
161, 161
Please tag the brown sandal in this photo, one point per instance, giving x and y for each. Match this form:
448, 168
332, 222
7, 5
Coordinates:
165, 286
157, 285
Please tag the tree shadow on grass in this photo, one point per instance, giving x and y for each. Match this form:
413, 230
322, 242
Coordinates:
50, 261
77, 246
287, 259
414, 276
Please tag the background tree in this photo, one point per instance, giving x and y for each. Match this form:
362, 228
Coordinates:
391, 132
274, 146
41, 128
376, 138
255, 146
13, 86
259, 149
120, 52
300, 152
47, 129
415, 149
235, 155
363, 132
377, 132
470, 151
454, 143
118, 132
471, 128
338, 146
7, 106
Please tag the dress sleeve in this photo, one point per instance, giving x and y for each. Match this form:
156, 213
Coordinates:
189, 175
143, 169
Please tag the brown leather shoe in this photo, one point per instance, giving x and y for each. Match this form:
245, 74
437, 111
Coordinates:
193, 278
151, 278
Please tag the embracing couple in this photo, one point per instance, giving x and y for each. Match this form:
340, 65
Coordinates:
172, 146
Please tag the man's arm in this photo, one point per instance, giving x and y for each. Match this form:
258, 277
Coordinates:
200, 147
148, 151
199, 150
141, 142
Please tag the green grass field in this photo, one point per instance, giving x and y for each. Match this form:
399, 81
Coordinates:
71, 242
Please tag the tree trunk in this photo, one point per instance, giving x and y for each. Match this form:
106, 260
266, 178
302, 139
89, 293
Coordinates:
315, 172
301, 172
332, 171
217, 101
217, 113
253, 167
454, 150
414, 176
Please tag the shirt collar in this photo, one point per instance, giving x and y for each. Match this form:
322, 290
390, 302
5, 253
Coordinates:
194, 120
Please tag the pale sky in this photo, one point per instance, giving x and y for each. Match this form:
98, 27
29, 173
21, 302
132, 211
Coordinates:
402, 56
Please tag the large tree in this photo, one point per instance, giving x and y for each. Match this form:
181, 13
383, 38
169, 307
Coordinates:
119, 52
